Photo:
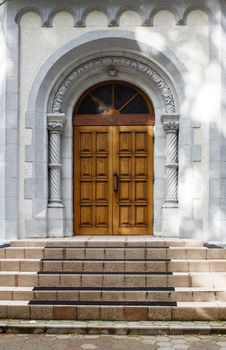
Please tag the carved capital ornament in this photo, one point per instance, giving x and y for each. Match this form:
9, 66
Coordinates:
55, 122
170, 122
171, 126
55, 125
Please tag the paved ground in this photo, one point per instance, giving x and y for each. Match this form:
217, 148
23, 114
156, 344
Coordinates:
101, 342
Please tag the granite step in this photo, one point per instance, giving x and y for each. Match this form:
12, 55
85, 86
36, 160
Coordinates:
123, 311
115, 253
109, 265
113, 294
106, 278
107, 241
138, 279
111, 279
133, 265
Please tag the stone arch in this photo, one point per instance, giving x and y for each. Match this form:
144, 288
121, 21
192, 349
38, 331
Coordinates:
55, 11
63, 19
168, 8
129, 18
169, 103
190, 9
31, 20
49, 79
88, 10
123, 9
96, 18
164, 18
28, 9
72, 97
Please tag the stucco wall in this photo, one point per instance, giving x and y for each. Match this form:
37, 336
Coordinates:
190, 43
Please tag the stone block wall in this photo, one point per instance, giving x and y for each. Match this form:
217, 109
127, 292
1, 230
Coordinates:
181, 39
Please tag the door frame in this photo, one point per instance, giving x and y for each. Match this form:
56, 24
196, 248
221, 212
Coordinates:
113, 120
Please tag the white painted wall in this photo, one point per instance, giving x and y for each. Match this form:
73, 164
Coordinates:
190, 43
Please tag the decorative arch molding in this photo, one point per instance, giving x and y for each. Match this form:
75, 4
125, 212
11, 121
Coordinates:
82, 21
55, 11
58, 112
28, 9
134, 8
155, 77
168, 8
190, 9
180, 12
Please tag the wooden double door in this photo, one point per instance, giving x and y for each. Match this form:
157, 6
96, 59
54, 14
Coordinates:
113, 180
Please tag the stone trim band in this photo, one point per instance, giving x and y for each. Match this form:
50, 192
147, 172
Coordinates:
114, 61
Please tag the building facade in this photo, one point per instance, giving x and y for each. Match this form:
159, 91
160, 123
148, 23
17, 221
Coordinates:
113, 118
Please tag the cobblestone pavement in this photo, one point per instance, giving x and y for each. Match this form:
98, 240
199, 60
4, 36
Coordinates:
102, 342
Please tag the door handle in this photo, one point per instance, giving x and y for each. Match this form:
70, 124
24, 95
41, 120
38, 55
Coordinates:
116, 180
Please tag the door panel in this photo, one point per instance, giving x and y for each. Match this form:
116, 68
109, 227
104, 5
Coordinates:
113, 169
133, 161
93, 180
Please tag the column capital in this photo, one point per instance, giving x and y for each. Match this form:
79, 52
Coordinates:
170, 122
56, 121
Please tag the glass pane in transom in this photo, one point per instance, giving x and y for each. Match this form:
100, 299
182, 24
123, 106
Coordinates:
123, 94
137, 105
90, 106
103, 94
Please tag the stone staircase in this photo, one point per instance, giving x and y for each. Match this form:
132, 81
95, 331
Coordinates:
112, 278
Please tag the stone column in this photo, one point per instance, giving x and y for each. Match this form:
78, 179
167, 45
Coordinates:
55, 206
170, 207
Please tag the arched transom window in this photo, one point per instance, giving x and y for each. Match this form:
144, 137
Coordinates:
114, 103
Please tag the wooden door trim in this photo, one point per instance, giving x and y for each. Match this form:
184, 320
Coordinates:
114, 117
113, 120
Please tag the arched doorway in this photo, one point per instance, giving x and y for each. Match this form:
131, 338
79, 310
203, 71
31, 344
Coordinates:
113, 161
53, 103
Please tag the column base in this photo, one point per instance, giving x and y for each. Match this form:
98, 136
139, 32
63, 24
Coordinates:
170, 203
55, 204
170, 221
56, 222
